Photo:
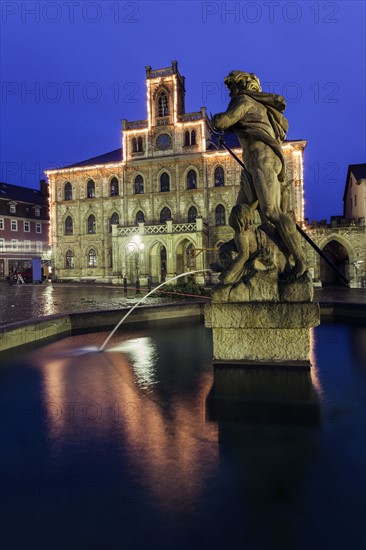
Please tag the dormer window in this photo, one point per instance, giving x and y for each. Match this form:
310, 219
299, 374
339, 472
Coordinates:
163, 105
189, 138
13, 208
137, 145
37, 211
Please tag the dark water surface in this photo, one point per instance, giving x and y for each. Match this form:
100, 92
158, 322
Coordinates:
113, 451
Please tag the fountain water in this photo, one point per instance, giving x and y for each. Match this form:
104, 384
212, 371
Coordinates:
144, 298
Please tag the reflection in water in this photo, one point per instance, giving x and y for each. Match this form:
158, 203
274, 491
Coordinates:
118, 396
314, 371
143, 356
122, 463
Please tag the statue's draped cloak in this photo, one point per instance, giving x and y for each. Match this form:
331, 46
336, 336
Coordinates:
274, 104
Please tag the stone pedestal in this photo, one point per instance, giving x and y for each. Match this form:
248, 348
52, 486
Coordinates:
261, 359
267, 332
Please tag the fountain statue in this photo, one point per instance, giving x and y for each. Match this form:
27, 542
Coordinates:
262, 310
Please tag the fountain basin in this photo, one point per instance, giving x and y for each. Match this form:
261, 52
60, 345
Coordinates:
116, 448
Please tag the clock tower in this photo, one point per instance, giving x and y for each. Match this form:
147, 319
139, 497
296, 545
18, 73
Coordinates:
168, 129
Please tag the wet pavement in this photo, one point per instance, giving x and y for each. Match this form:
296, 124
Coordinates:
22, 302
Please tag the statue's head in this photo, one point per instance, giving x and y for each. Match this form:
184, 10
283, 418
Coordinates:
238, 81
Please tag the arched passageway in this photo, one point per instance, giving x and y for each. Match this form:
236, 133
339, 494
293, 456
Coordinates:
337, 253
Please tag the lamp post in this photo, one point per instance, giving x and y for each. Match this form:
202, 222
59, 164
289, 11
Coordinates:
137, 262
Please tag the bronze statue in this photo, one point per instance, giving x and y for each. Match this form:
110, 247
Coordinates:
261, 127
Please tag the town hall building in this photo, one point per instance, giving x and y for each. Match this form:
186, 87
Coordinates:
159, 205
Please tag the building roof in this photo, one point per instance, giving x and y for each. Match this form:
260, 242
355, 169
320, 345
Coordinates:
107, 158
359, 172
116, 156
18, 193
26, 200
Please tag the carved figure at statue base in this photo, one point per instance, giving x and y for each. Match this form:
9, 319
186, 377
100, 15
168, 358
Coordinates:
254, 267
274, 248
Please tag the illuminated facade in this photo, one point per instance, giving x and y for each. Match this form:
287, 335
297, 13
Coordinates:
159, 206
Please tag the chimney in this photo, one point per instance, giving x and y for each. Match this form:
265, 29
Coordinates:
44, 188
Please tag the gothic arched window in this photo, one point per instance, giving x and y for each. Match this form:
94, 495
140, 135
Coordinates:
192, 180
134, 145
90, 189
220, 215
91, 226
68, 191
139, 144
69, 259
187, 140
163, 105
192, 214
69, 229
113, 221
139, 185
92, 258
164, 182
140, 217
113, 187
165, 215
219, 176
193, 137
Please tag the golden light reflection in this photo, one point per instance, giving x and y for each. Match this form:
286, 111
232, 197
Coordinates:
170, 446
143, 355
314, 371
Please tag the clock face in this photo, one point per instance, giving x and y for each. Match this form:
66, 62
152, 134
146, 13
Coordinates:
163, 142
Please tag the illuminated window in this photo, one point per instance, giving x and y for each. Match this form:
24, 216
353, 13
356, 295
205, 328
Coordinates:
192, 214
68, 191
139, 185
2, 244
113, 221
220, 215
27, 245
90, 189
192, 180
69, 229
26, 227
91, 225
69, 260
92, 258
140, 217
14, 225
14, 244
189, 138
165, 215
113, 187
137, 145
164, 182
163, 105
219, 176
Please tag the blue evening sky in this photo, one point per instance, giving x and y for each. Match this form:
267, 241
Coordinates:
71, 70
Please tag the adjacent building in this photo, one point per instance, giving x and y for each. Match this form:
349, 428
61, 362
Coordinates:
24, 227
